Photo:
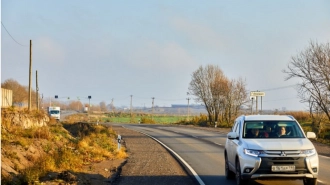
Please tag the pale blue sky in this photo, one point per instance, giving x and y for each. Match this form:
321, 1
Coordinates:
114, 49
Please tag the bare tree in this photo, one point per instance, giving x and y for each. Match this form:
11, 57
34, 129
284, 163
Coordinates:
312, 67
236, 97
220, 96
103, 106
19, 91
75, 105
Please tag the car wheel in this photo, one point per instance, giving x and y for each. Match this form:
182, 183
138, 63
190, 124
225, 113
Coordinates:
310, 181
229, 174
239, 180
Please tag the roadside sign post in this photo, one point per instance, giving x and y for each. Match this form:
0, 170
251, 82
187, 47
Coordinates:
119, 141
254, 95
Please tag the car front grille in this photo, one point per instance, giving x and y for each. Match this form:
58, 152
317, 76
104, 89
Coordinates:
271, 158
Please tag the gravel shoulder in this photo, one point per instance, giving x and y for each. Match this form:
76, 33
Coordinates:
149, 162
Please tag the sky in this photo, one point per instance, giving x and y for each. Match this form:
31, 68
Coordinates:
110, 50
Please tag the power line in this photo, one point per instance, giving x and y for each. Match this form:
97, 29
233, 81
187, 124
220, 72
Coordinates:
276, 88
281, 99
11, 36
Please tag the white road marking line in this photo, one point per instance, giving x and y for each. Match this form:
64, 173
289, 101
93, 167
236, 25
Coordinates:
324, 156
182, 160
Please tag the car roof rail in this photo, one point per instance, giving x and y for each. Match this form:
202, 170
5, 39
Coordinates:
291, 117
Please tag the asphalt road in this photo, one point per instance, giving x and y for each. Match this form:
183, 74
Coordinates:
203, 152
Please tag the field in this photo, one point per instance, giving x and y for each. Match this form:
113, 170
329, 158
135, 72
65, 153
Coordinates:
160, 119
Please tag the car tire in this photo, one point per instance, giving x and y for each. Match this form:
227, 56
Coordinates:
310, 181
229, 174
239, 180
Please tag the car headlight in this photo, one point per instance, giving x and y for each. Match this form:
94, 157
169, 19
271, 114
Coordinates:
308, 152
254, 153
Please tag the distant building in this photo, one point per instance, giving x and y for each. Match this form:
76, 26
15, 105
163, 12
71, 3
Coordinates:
193, 106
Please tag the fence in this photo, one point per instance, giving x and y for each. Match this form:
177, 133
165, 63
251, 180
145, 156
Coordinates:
6, 98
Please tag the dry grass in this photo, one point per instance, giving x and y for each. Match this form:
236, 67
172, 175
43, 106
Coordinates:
60, 147
301, 116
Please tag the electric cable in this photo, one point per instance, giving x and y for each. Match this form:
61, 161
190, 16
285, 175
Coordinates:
11, 36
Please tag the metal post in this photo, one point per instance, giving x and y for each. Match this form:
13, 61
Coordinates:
261, 105
256, 104
252, 106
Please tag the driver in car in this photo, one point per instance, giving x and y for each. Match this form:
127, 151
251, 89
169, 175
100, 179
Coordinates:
281, 131
254, 133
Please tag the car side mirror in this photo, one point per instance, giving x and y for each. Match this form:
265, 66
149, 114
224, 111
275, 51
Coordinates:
311, 135
232, 135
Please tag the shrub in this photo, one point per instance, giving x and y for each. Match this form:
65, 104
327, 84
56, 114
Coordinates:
147, 120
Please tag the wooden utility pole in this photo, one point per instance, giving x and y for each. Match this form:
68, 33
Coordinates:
131, 106
30, 76
37, 89
188, 108
152, 113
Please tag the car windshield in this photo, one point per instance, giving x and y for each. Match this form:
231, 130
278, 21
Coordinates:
54, 112
272, 129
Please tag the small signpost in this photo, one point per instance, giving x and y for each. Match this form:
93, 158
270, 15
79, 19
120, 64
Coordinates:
119, 141
254, 96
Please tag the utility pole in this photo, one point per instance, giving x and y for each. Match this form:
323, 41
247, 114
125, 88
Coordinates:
252, 105
152, 113
112, 107
131, 105
188, 108
37, 89
30, 76
89, 107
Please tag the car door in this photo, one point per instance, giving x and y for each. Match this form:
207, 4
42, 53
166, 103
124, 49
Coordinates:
233, 145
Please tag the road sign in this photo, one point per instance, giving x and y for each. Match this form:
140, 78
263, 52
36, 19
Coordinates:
257, 93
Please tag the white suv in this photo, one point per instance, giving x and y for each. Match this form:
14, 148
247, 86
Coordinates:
270, 147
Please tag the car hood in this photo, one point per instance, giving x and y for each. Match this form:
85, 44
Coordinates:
279, 144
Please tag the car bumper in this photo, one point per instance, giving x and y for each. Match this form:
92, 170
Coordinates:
260, 167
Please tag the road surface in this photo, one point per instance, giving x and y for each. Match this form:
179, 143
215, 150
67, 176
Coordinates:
203, 152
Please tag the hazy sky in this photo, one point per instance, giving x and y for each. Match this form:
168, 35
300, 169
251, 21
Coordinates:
114, 49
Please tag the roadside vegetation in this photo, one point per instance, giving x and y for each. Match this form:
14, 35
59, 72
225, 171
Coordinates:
303, 117
67, 146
